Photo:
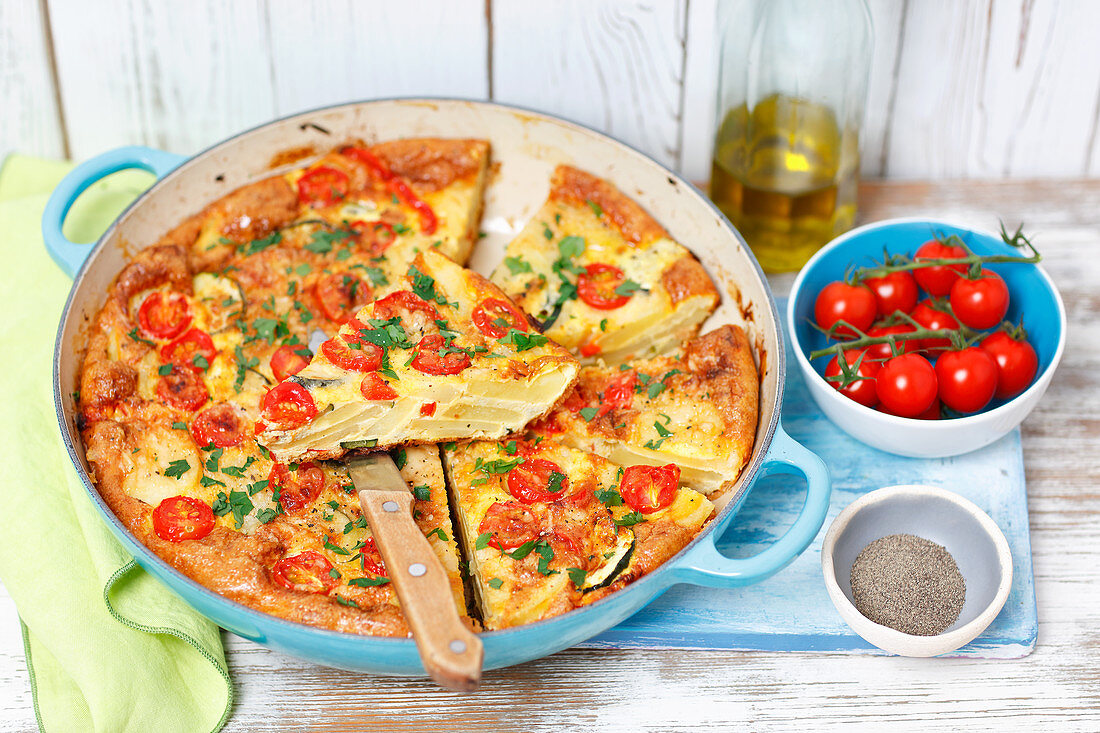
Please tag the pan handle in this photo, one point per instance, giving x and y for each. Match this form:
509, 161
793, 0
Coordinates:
71, 255
705, 565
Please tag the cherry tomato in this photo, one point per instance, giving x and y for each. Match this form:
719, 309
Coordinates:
932, 413
376, 389
403, 300
1016, 363
428, 409
967, 379
179, 518
164, 315
982, 302
511, 524
495, 317
340, 295
306, 572
648, 489
537, 479
906, 385
841, 301
590, 348
617, 395
375, 236
370, 559
895, 291
397, 185
289, 360
288, 405
183, 388
366, 358
191, 346
938, 279
322, 186
927, 315
221, 425
882, 352
296, 488
430, 361
596, 286
862, 391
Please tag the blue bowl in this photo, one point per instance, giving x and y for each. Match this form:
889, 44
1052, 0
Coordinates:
1034, 301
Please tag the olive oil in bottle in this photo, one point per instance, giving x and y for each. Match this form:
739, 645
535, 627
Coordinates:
785, 174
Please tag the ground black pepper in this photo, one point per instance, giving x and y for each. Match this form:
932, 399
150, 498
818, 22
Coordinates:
909, 584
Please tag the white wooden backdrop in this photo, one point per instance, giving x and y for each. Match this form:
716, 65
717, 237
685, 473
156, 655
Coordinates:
959, 88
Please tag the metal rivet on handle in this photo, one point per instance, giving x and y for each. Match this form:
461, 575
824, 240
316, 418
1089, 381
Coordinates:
457, 646
417, 569
390, 506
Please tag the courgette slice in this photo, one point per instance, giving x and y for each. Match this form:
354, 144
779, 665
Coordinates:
309, 383
218, 289
358, 444
606, 574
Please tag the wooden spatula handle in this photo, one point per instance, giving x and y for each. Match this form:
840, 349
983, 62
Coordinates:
451, 653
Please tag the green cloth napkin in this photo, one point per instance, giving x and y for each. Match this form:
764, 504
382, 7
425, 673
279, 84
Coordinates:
108, 647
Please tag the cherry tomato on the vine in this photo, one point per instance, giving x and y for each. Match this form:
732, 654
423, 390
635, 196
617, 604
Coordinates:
927, 315
838, 301
906, 385
967, 379
1016, 363
982, 302
882, 352
895, 291
938, 279
863, 390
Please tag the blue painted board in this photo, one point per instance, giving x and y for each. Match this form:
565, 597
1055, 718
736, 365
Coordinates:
791, 611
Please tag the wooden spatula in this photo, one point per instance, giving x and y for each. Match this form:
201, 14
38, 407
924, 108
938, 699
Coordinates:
451, 653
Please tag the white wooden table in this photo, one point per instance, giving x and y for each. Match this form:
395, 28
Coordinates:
1056, 687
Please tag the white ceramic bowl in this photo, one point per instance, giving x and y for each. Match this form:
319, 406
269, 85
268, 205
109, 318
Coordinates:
941, 516
1034, 299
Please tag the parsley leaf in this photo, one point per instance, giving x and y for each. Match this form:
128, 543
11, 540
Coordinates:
336, 548
134, 335
177, 468
588, 413
524, 340
400, 458
321, 241
610, 497
368, 582
424, 287
438, 532
424, 493
516, 265
164, 370
265, 515
482, 540
577, 575
495, 583
629, 520
259, 245
628, 287
596, 208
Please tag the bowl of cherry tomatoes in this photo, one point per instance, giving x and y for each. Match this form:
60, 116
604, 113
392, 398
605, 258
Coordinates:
924, 338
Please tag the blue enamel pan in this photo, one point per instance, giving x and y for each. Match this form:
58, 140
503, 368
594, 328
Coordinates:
527, 146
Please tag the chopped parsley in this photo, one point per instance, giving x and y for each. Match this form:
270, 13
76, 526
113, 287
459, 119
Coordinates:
524, 340
629, 520
546, 232
179, 426
321, 241
495, 583
577, 575
438, 532
345, 601
177, 468
610, 497
368, 582
423, 286
259, 245
423, 492
596, 208
516, 265
400, 458
164, 370
482, 540
336, 548
243, 365
628, 287
588, 413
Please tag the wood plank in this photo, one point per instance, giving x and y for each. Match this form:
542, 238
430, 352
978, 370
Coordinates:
366, 50
29, 119
616, 66
888, 21
176, 76
700, 116
994, 89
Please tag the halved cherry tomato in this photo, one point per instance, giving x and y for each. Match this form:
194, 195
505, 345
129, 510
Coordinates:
306, 572
183, 388
289, 360
428, 409
511, 524
375, 236
982, 302
927, 315
839, 301
430, 361
648, 489
537, 479
1016, 363
863, 390
340, 294
882, 352
590, 348
221, 425
596, 286
906, 385
322, 186
895, 291
184, 350
288, 405
179, 518
618, 395
494, 317
370, 559
164, 315
397, 185
938, 279
403, 300
296, 488
967, 379
366, 358
375, 388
